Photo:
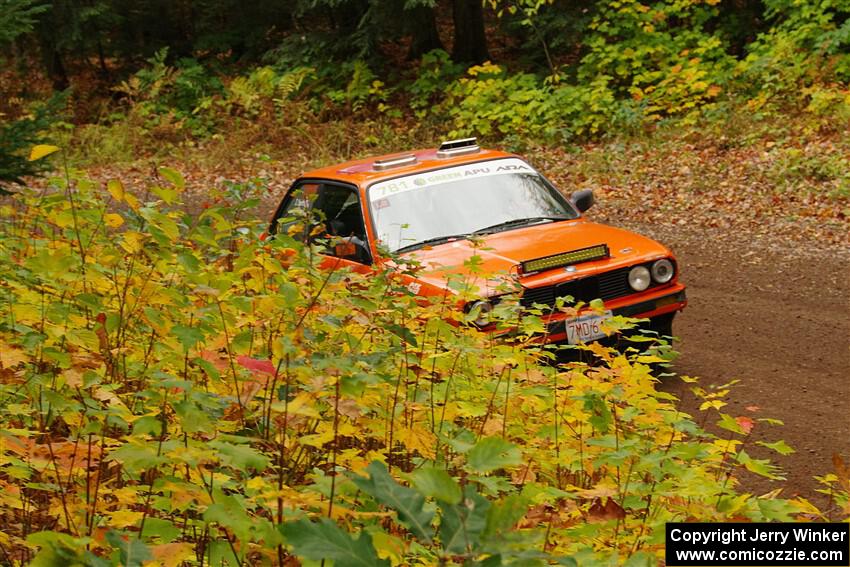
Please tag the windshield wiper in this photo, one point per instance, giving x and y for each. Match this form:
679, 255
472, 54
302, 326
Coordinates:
435, 240
517, 222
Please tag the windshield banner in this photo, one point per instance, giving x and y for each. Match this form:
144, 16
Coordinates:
392, 187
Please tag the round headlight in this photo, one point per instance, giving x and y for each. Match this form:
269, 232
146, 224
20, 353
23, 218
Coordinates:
481, 311
662, 271
639, 278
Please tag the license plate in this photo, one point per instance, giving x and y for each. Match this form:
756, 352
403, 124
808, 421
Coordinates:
586, 328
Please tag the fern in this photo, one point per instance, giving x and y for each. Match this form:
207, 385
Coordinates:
291, 83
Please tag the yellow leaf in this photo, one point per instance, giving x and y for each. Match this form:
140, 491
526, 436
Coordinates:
388, 547
126, 495
42, 150
649, 359
418, 439
716, 404
172, 554
63, 219
119, 193
806, 507
124, 518
132, 201
26, 312
10, 357
132, 242
113, 220
317, 440
601, 490
116, 189
73, 377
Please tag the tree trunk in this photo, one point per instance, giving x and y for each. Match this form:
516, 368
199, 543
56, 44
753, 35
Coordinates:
470, 43
423, 29
54, 66
48, 29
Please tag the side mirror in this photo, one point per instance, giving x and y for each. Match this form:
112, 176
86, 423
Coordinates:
582, 200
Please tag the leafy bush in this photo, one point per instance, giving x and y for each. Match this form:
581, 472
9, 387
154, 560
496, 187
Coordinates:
350, 86
659, 55
490, 101
264, 88
177, 390
165, 94
806, 52
436, 72
362, 88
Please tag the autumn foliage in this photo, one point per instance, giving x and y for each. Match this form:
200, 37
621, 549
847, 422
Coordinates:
177, 391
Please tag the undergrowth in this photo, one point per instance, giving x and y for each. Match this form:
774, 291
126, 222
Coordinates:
177, 391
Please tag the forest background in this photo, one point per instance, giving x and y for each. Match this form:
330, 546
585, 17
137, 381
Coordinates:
140, 426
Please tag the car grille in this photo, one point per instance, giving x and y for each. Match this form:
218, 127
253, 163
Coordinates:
608, 285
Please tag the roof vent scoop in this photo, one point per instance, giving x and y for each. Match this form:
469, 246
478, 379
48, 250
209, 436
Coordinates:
458, 148
390, 163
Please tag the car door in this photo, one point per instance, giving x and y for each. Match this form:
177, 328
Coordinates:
329, 214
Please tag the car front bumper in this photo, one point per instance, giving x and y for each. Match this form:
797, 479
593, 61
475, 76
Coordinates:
645, 306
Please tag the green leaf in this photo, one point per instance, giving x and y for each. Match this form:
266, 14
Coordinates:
148, 425
600, 416
166, 194
729, 423
408, 503
777, 510
161, 227
164, 530
323, 540
492, 453
228, 511
779, 446
188, 336
58, 549
189, 262
137, 458
132, 552
461, 525
761, 467
504, 515
438, 484
173, 176
403, 333
240, 457
192, 418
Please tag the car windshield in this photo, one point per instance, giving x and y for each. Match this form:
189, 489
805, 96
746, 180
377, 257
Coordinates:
485, 197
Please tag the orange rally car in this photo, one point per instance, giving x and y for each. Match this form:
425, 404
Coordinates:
428, 204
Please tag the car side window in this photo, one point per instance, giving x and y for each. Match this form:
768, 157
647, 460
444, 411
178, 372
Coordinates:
317, 211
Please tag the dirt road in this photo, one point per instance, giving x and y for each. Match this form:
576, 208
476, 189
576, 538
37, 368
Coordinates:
776, 317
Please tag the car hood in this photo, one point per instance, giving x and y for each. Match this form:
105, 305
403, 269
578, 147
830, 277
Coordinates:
502, 252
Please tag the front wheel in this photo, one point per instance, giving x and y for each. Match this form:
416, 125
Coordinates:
663, 325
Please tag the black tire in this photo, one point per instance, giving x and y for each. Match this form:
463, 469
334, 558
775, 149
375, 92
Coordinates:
663, 325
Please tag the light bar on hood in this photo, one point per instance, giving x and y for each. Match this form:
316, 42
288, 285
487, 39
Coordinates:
565, 259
